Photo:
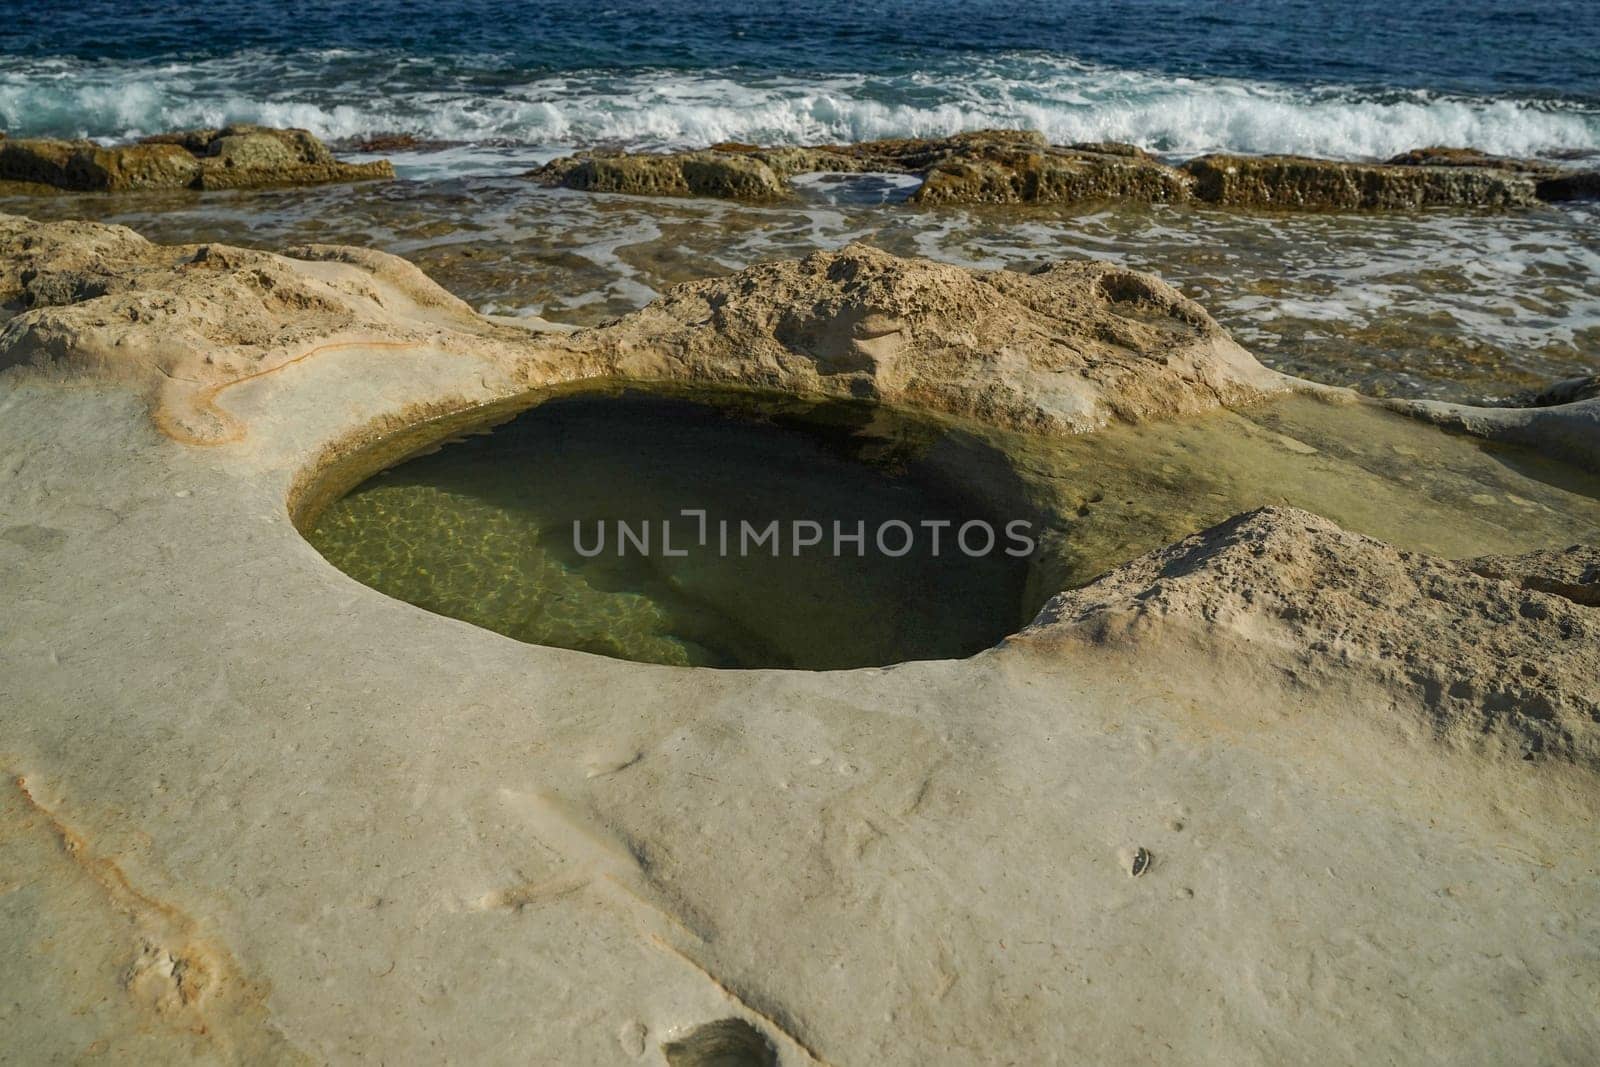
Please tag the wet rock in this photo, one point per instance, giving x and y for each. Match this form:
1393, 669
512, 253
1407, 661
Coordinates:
1020, 166
390, 142
1562, 421
1551, 181
1446, 156
230, 158
727, 175
1572, 185
1048, 175
1569, 391
983, 166
1298, 183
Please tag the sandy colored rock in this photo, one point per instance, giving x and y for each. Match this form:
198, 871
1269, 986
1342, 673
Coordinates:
252, 811
1062, 350
1572, 573
1021, 166
1298, 183
1051, 176
1491, 653
184, 323
231, 158
717, 174
983, 166
1450, 156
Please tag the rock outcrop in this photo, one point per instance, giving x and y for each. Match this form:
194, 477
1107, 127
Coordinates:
1572, 573
82, 298
1496, 653
1045, 174
1297, 183
1561, 421
1020, 166
1064, 349
231, 158
985, 166
1218, 804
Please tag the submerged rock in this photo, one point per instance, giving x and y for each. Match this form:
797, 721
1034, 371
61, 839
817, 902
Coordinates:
230, 158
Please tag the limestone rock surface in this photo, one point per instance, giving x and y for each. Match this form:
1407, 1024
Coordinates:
1064, 349
230, 158
1500, 654
1298, 183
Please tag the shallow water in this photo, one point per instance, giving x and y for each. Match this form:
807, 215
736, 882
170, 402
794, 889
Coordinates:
516, 531
1447, 305
482, 529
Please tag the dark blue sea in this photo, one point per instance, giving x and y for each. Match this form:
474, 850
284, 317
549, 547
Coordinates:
1359, 78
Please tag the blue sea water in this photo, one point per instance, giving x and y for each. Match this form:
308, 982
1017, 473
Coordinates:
1351, 79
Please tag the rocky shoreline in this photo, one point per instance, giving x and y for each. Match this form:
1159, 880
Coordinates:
1219, 801
979, 167
1021, 167
234, 157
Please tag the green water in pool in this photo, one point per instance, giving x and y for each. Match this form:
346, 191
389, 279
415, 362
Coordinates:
505, 530
482, 529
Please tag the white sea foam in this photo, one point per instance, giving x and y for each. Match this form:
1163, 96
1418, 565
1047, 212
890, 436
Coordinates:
345, 97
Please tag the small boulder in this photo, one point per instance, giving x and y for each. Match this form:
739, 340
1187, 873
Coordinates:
727, 175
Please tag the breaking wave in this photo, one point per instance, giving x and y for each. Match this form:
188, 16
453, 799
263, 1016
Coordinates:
345, 96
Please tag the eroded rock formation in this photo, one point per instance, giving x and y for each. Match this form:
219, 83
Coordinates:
231, 158
1220, 802
1297, 183
1020, 166
1501, 653
1064, 349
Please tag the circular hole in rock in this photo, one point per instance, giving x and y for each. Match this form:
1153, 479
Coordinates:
578, 523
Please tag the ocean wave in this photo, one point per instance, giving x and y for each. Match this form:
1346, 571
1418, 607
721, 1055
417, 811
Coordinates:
345, 96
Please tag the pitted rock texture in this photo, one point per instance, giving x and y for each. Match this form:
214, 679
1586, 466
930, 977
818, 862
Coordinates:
186, 321
985, 166
1297, 183
1021, 166
231, 158
1064, 349
1572, 573
1490, 654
